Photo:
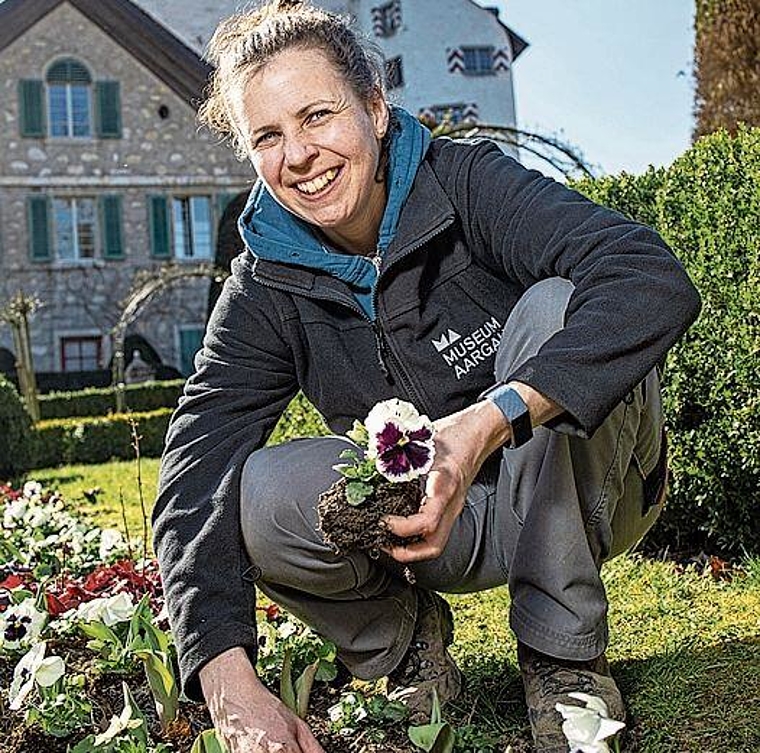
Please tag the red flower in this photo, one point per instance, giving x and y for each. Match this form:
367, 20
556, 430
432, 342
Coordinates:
13, 581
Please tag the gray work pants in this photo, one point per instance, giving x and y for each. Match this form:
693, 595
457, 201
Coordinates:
542, 521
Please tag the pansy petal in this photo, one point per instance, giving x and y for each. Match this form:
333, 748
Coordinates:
388, 437
423, 434
419, 455
50, 671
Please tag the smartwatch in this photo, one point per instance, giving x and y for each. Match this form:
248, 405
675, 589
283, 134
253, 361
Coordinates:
508, 401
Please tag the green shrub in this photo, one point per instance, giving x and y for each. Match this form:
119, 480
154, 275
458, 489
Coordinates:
100, 401
299, 420
98, 439
15, 432
707, 206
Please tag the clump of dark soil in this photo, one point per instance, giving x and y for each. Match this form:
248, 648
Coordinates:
347, 527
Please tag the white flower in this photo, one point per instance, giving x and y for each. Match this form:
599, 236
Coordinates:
400, 440
14, 511
119, 724
109, 539
38, 516
108, 610
587, 727
32, 489
287, 629
34, 667
21, 625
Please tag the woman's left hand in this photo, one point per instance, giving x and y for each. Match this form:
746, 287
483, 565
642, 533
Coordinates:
463, 441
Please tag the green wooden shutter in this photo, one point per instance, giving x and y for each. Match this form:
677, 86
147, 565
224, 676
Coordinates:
31, 108
110, 227
107, 110
38, 223
158, 212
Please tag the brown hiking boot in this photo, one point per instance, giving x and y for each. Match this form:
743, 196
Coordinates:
426, 664
548, 681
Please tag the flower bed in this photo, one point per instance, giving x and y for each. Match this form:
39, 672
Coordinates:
87, 662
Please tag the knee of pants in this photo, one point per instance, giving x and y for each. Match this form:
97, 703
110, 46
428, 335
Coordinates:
538, 315
279, 490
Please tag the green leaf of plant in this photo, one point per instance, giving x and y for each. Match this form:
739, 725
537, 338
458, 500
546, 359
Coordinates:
303, 688
358, 434
208, 742
162, 684
287, 692
433, 738
357, 492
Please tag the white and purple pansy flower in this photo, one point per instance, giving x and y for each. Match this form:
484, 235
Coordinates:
400, 440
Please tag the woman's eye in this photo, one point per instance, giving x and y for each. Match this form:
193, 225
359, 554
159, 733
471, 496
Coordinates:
265, 138
318, 115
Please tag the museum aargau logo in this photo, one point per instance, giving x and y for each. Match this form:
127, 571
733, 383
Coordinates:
464, 353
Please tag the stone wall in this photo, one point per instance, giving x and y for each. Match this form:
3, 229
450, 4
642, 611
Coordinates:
161, 152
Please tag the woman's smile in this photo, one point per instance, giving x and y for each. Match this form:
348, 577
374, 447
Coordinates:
319, 184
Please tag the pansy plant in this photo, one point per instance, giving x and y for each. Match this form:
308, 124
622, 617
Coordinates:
397, 444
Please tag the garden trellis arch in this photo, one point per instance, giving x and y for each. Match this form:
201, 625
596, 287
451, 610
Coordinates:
146, 286
550, 149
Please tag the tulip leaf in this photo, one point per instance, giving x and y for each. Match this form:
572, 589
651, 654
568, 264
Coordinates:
303, 688
433, 738
208, 742
287, 692
162, 684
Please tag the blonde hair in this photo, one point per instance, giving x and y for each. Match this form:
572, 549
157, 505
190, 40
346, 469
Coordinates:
247, 41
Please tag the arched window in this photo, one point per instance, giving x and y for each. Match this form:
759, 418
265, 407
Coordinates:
69, 95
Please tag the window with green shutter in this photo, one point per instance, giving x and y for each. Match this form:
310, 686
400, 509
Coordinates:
38, 221
31, 108
110, 223
108, 110
158, 215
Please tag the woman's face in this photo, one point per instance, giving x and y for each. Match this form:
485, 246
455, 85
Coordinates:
316, 145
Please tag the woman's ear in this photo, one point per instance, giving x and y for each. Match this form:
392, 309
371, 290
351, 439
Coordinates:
380, 113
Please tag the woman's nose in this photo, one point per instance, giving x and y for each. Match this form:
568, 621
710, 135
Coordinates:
298, 150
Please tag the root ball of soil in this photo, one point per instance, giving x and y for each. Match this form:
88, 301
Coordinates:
348, 527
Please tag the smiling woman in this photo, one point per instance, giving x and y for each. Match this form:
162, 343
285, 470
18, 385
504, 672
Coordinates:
316, 145
381, 264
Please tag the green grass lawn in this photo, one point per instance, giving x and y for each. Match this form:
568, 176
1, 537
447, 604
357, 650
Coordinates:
685, 647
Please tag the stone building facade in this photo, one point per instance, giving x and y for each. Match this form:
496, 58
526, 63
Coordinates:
443, 57
104, 173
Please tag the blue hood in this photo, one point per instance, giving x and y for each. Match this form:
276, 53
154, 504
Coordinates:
273, 233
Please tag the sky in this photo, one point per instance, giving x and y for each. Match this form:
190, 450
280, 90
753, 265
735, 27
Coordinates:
613, 78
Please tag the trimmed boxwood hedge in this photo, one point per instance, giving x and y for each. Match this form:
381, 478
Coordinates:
97, 439
706, 206
100, 401
15, 432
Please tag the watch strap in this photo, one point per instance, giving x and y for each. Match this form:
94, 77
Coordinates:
508, 401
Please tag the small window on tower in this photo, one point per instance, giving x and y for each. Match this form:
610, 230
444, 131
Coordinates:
394, 72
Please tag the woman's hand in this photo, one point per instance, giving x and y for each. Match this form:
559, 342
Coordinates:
247, 717
463, 441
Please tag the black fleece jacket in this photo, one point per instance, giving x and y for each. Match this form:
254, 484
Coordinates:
477, 230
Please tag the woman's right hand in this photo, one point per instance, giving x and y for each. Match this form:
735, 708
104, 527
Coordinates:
247, 717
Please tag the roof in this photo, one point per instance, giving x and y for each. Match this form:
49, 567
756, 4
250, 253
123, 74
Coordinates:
178, 66
518, 43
